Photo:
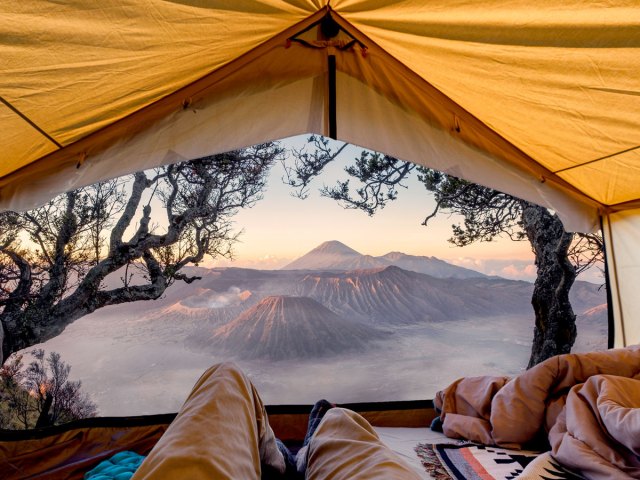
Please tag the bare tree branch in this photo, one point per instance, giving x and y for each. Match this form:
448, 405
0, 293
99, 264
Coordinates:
139, 185
309, 164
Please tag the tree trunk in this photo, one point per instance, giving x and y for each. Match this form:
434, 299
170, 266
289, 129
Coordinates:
555, 322
44, 419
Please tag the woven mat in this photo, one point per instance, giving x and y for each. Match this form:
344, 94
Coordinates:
478, 462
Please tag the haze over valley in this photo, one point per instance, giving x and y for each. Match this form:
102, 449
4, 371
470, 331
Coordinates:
333, 324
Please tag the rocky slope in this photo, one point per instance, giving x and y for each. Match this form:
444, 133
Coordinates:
282, 327
393, 296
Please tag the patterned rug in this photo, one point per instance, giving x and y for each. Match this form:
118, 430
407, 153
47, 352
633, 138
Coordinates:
478, 462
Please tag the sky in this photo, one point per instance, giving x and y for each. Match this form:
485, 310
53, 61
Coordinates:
281, 228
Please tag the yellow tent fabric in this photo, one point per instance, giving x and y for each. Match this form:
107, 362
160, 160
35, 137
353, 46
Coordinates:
559, 82
557, 79
539, 99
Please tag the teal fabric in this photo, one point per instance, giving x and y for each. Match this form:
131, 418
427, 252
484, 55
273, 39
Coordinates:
121, 466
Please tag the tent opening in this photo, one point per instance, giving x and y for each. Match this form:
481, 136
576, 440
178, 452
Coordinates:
372, 308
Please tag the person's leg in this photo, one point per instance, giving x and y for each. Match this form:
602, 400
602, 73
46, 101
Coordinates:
345, 446
221, 432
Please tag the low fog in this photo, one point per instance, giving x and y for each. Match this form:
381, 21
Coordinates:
130, 366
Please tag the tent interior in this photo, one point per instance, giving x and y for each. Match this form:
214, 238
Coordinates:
540, 101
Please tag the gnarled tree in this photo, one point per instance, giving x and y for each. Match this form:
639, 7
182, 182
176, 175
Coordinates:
54, 259
487, 214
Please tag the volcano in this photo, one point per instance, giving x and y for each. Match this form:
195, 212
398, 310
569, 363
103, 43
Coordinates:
284, 328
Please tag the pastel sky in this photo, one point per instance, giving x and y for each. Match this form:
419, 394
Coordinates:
281, 228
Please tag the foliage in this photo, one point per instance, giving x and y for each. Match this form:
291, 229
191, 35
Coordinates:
40, 394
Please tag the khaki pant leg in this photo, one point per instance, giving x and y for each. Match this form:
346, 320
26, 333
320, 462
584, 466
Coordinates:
345, 446
221, 432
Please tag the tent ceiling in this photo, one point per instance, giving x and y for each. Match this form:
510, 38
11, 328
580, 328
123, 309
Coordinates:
552, 89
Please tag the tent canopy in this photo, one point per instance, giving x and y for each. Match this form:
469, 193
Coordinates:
539, 100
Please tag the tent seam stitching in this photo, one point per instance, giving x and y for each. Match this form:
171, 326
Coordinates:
31, 122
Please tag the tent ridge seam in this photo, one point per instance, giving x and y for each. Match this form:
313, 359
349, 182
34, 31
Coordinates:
30, 122
589, 162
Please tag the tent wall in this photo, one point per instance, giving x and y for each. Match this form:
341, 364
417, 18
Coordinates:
73, 68
284, 93
557, 79
622, 234
279, 95
71, 452
366, 117
553, 85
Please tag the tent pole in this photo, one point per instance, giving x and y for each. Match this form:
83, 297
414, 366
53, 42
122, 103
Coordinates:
333, 129
611, 330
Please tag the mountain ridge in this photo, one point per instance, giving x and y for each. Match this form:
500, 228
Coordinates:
334, 255
394, 296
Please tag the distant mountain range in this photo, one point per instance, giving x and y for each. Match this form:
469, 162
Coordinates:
334, 255
324, 308
393, 296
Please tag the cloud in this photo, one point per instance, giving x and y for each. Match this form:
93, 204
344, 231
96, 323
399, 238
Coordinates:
516, 269
513, 269
466, 262
266, 262
213, 299
518, 272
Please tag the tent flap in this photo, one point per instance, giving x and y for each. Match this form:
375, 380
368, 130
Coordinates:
621, 233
